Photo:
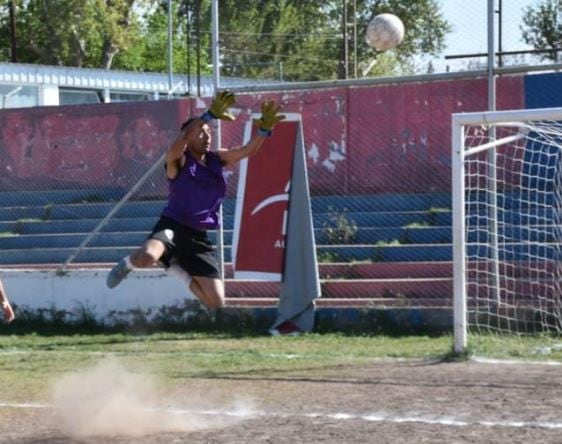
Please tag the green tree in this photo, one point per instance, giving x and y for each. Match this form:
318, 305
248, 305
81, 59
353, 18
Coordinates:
425, 32
5, 34
542, 28
149, 51
272, 39
266, 39
83, 33
303, 40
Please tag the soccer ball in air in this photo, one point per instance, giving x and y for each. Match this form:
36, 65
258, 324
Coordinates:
385, 31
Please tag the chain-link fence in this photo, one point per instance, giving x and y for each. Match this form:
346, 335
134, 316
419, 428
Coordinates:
84, 184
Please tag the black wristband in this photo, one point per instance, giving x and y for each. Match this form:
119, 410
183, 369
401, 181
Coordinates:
264, 132
207, 116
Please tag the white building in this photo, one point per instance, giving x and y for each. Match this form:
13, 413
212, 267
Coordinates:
26, 85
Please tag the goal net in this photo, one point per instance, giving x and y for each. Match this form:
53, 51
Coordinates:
507, 215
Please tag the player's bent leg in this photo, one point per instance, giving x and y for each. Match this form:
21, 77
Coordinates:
146, 256
176, 270
149, 254
210, 291
196, 289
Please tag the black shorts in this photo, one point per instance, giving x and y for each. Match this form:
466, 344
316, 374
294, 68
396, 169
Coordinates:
191, 248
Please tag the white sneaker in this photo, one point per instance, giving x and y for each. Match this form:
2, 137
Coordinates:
117, 274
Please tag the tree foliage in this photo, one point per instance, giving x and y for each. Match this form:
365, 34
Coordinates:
266, 39
74, 32
273, 39
542, 27
149, 51
304, 39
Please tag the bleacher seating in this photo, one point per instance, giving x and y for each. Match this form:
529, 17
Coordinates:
399, 251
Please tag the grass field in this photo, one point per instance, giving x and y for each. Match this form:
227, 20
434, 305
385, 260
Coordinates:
29, 361
228, 388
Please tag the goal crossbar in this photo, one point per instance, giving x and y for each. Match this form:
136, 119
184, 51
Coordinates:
507, 117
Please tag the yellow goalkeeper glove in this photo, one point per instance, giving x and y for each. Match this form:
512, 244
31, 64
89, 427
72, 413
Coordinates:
219, 107
269, 117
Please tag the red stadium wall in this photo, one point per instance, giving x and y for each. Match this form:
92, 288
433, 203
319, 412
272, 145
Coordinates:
411, 145
85, 145
372, 139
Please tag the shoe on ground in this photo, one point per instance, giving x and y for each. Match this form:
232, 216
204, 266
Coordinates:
117, 274
286, 328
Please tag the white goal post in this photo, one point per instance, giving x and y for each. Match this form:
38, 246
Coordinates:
507, 222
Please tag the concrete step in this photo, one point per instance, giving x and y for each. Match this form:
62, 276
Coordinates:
384, 253
153, 210
384, 270
439, 288
78, 226
17, 231
81, 211
347, 303
134, 232
344, 270
339, 253
325, 254
59, 240
381, 202
51, 197
361, 219
319, 204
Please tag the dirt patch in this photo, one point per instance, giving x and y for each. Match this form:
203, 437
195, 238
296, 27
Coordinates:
400, 401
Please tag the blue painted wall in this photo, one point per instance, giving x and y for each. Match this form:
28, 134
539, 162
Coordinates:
543, 90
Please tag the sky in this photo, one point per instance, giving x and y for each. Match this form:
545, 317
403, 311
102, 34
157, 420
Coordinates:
468, 18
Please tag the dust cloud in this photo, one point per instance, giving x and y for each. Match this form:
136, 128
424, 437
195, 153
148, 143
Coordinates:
108, 400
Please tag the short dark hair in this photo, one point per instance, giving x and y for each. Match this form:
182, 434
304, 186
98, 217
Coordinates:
187, 122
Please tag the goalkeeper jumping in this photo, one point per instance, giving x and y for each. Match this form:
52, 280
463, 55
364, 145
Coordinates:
197, 188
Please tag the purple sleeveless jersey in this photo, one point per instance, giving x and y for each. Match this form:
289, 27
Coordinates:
196, 193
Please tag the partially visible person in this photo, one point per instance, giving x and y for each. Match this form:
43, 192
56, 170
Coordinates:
9, 315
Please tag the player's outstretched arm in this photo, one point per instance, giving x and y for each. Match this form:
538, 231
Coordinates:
218, 110
269, 118
9, 315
